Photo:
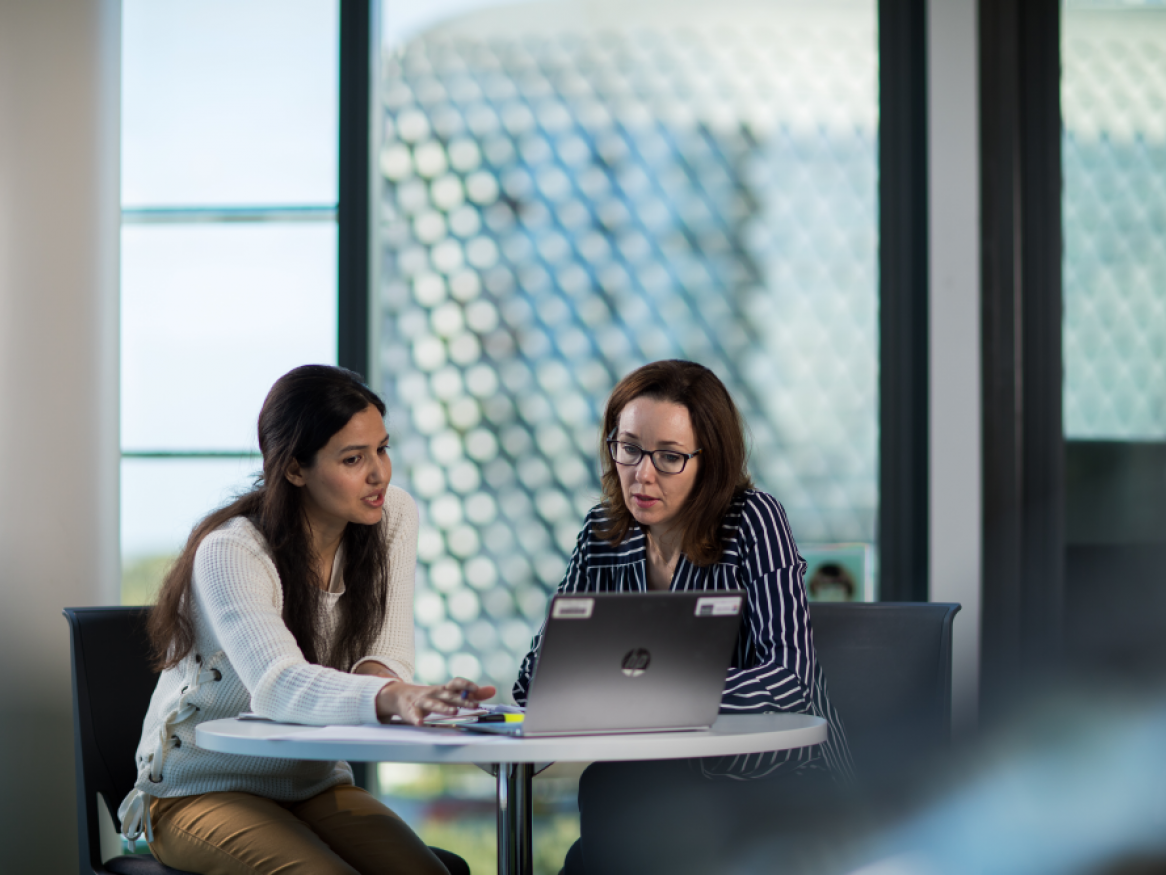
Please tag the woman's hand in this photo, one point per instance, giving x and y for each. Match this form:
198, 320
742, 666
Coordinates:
413, 702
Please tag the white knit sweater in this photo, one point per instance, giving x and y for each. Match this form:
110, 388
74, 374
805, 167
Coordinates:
246, 659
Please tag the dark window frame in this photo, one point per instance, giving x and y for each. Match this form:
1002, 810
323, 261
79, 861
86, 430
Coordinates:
1021, 300
358, 42
904, 422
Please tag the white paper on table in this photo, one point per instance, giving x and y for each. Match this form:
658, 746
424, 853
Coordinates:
378, 733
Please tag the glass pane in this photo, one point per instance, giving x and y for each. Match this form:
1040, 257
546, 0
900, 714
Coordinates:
564, 203
161, 500
229, 102
1113, 99
211, 316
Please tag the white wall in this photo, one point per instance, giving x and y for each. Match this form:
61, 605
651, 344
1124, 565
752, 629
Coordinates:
955, 467
59, 121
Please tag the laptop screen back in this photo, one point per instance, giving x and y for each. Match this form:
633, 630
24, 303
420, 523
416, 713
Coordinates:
614, 662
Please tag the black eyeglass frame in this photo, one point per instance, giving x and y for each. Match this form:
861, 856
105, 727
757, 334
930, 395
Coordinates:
651, 454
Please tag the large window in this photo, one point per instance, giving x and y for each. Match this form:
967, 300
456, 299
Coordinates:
1113, 92
1113, 95
566, 196
568, 191
228, 247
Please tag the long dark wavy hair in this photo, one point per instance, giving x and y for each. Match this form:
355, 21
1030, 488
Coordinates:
301, 413
720, 435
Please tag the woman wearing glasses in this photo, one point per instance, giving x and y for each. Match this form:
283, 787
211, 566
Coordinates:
680, 512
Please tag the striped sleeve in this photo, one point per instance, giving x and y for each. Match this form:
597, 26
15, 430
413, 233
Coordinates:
781, 674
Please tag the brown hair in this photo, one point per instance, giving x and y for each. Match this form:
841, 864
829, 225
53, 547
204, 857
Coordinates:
720, 436
301, 413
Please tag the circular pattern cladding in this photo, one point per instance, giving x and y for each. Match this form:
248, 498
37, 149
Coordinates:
558, 212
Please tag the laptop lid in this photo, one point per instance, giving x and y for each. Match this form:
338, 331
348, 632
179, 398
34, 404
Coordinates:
620, 662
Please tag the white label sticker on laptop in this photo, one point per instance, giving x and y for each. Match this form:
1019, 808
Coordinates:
718, 606
573, 609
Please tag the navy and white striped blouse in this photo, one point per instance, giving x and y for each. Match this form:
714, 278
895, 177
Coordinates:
774, 667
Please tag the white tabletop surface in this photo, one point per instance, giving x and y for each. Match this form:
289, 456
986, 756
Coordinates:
731, 734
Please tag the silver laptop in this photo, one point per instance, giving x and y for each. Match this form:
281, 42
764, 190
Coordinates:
629, 662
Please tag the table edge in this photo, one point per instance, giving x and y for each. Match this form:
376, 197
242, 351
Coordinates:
726, 738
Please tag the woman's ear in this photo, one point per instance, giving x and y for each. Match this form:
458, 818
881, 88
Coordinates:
295, 474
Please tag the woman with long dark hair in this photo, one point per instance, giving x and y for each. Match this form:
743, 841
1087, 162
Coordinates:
295, 601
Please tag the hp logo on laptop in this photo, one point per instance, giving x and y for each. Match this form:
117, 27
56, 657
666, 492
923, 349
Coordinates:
636, 662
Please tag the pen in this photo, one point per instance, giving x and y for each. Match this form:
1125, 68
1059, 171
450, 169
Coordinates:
500, 718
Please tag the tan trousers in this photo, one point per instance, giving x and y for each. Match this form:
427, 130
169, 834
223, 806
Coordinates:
342, 831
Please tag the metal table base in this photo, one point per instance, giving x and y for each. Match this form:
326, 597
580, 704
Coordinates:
515, 856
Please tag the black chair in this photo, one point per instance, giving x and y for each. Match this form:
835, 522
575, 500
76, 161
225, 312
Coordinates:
888, 672
112, 684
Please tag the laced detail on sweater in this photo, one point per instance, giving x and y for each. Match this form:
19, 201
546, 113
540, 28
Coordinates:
134, 812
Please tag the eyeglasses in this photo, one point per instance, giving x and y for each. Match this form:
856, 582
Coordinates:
665, 461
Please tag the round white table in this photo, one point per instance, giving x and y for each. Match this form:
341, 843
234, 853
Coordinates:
511, 759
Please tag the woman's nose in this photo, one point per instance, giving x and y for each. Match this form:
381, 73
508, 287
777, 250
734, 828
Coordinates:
381, 472
645, 470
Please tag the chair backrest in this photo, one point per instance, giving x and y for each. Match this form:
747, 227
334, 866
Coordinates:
1115, 611
112, 685
888, 672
